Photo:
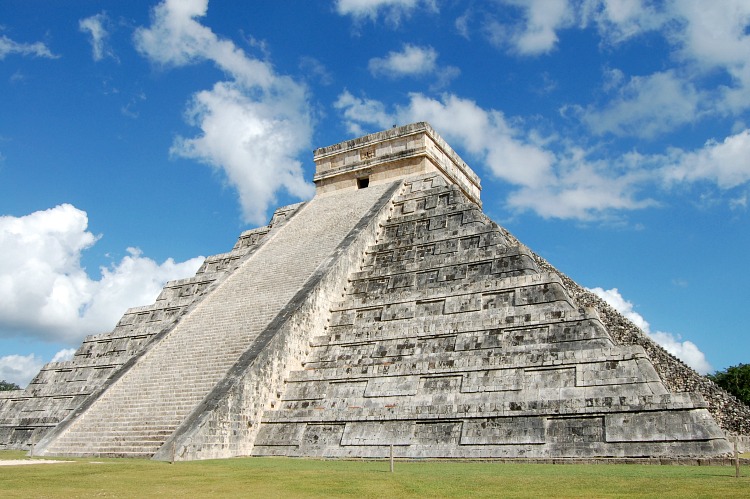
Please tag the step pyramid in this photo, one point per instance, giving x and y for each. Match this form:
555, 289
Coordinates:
387, 311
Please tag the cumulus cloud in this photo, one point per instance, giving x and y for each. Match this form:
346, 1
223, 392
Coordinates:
536, 32
392, 10
36, 49
707, 39
64, 355
715, 35
253, 126
96, 27
554, 184
45, 293
250, 142
585, 189
646, 106
686, 350
20, 369
621, 20
484, 134
360, 112
725, 163
412, 61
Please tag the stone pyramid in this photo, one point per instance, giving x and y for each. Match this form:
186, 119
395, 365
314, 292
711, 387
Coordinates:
388, 310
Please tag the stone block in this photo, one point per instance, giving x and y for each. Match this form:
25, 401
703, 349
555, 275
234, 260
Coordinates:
503, 431
378, 433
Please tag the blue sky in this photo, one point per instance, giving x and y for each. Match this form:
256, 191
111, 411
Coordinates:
611, 137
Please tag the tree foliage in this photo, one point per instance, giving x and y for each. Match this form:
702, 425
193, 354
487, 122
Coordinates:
5, 386
735, 380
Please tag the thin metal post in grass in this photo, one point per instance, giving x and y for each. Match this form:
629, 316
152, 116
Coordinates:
173, 450
736, 459
391, 458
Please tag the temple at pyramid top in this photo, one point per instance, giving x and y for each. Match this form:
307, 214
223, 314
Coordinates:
391, 154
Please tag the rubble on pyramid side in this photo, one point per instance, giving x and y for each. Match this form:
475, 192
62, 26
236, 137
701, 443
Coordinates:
730, 413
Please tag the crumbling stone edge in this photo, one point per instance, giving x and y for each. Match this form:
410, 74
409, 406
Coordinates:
729, 412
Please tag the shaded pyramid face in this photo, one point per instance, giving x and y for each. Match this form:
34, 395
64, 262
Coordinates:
450, 342
388, 310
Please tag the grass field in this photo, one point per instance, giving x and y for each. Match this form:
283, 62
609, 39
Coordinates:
281, 477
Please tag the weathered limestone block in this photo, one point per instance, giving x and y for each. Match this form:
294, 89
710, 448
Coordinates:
378, 433
661, 426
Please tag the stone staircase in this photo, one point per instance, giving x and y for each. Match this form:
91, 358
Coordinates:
451, 342
141, 409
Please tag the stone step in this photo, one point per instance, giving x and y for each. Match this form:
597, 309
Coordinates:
446, 363
383, 410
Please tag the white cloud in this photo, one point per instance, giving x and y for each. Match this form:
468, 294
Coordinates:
715, 35
563, 184
20, 369
462, 24
725, 163
361, 111
251, 141
96, 27
36, 49
536, 33
739, 202
45, 294
392, 10
584, 189
620, 20
413, 61
253, 127
686, 350
646, 106
410, 61
704, 36
484, 134
64, 355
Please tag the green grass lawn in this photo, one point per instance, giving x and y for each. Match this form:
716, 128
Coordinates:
281, 477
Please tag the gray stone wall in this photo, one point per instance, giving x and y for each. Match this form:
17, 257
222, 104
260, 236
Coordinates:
451, 341
732, 415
